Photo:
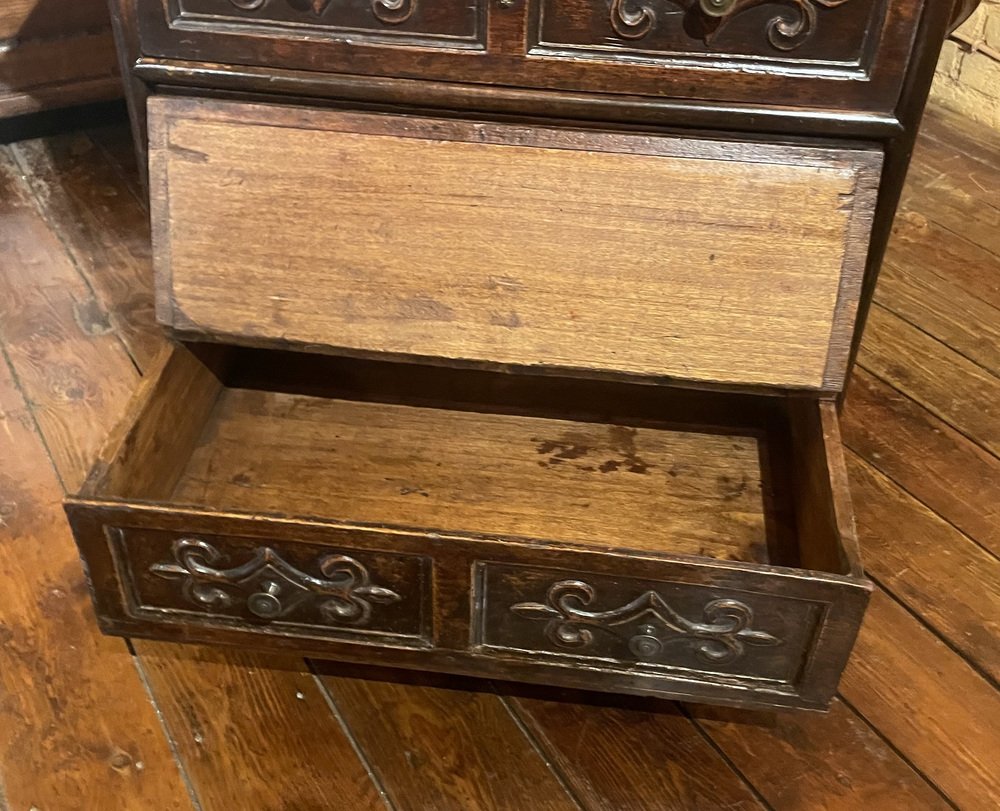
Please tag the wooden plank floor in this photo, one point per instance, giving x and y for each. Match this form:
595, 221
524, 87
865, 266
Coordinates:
88, 722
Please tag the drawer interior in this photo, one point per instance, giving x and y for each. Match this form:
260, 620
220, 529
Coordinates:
654, 470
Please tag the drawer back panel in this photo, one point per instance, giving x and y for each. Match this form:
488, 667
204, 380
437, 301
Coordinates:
693, 259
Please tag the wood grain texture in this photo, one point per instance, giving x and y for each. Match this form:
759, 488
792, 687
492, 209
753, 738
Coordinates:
918, 241
67, 734
803, 762
954, 389
47, 339
91, 204
939, 466
952, 583
598, 485
938, 712
943, 310
201, 692
742, 70
648, 274
57, 334
607, 751
426, 742
54, 58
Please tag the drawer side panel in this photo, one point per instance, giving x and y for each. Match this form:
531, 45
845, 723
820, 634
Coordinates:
674, 258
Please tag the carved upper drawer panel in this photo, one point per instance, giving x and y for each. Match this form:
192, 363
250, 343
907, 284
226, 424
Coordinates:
837, 56
840, 34
427, 22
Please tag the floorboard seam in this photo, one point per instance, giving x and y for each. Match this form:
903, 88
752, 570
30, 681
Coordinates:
54, 228
355, 744
725, 758
30, 409
542, 751
875, 466
926, 624
887, 305
899, 753
943, 419
168, 736
952, 233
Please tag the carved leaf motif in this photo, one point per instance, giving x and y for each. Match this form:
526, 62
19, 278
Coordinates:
720, 638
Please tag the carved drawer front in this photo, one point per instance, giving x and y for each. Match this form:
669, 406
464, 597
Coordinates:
698, 259
667, 627
831, 35
287, 587
426, 23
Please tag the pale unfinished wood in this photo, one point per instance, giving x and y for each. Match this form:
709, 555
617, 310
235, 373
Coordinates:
600, 485
729, 262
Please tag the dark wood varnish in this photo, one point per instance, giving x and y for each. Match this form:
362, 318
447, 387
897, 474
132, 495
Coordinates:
55, 55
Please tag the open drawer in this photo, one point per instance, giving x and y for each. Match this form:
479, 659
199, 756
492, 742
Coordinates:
550, 530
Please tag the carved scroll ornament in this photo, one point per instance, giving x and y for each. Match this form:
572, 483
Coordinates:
391, 12
271, 587
721, 637
786, 31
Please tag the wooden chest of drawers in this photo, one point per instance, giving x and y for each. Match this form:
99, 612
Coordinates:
513, 334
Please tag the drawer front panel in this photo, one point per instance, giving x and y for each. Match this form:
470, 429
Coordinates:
286, 587
703, 260
420, 23
667, 627
838, 55
804, 34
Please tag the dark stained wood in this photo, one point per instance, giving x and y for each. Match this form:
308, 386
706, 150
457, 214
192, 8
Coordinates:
47, 339
448, 747
447, 479
945, 469
57, 334
517, 54
941, 467
55, 55
606, 753
937, 711
106, 233
201, 693
803, 762
76, 717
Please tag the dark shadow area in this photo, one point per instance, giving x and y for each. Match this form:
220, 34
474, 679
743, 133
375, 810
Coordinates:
51, 122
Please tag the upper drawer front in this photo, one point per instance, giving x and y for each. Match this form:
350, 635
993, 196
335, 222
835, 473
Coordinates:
834, 54
420, 23
701, 260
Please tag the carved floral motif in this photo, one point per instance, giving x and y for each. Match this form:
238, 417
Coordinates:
271, 587
720, 638
392, 12
787, 30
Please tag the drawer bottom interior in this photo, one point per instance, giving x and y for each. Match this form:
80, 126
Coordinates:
247, 489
